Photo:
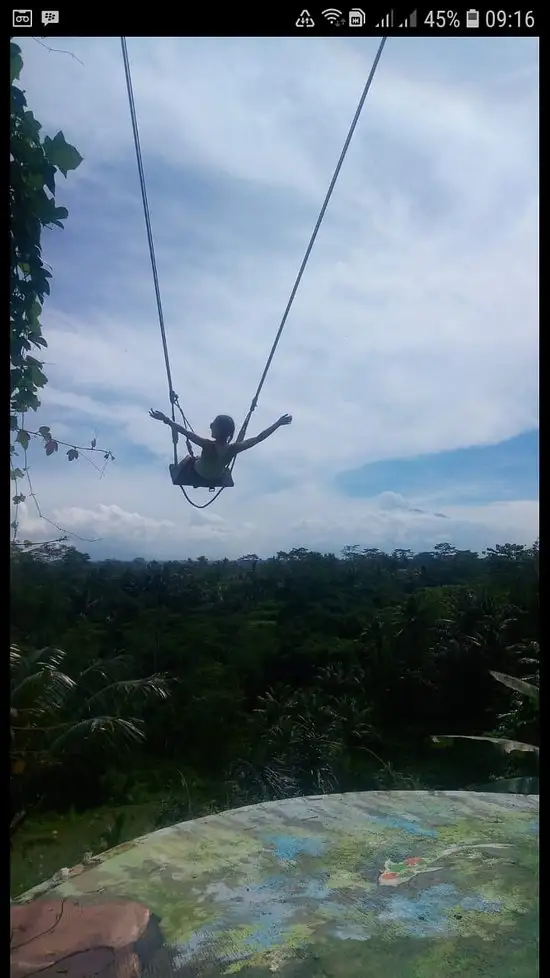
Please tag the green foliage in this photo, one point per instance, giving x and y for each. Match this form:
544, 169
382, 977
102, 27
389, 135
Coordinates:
513, 786
304, 673
526, 690
519, 685
63, 715
508, 746
34, 163
114, 833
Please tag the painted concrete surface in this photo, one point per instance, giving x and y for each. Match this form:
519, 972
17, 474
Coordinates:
363, 885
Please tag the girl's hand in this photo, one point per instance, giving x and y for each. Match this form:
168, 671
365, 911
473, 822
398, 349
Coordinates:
159, 416
285, 419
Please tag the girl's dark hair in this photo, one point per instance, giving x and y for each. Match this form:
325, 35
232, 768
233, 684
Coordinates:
225, 426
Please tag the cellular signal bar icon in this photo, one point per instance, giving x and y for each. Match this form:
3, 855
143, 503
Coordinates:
386, 21
410, 22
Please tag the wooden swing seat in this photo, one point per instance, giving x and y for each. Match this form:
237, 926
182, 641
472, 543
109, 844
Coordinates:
183, 474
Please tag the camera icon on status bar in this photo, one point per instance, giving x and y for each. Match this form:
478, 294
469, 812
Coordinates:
21, 18
50, 17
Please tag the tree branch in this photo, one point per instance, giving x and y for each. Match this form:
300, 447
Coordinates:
77, 448
56, 50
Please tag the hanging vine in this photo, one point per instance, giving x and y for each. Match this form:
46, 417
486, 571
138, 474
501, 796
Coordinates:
35, 162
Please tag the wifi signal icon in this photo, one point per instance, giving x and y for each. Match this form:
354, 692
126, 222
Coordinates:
333, 16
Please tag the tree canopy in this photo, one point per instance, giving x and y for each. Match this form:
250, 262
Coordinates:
300, 673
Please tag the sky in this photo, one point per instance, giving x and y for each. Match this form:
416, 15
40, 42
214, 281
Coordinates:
409, 361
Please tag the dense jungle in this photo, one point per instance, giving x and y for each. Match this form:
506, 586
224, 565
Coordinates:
144, 693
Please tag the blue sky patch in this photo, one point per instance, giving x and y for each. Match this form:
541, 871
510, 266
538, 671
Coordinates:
506, 470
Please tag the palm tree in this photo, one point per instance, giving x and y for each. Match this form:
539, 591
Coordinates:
59, 712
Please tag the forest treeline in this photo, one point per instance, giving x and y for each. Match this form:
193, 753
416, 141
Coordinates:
306, 672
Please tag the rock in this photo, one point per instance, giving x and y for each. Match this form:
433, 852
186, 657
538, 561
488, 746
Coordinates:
73, 939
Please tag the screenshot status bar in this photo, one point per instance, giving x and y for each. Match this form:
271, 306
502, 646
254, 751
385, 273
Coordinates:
273, 19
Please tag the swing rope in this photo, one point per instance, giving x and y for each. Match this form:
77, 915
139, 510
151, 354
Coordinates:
174, 402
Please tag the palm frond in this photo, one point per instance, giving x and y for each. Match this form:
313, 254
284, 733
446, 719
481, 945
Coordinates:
15, 655
125, 690
518, 685
36, 658
508, 746
44, 690
112, 730
107, 668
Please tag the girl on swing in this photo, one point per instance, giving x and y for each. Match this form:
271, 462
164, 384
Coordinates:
217, 453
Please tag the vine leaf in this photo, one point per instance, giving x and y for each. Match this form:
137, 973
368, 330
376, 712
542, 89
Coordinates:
23, 438
59, 152
16, 62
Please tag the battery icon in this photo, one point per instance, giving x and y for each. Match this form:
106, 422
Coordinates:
472, 18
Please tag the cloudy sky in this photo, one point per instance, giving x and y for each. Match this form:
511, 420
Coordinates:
410, 358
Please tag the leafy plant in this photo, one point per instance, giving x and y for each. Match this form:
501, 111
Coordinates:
509, 746
114, 834
58, 718
35, 162
362, 665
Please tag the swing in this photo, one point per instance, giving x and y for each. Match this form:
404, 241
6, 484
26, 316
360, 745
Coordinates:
182, 472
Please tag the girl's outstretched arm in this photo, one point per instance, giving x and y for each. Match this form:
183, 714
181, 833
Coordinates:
242, 446
196, 439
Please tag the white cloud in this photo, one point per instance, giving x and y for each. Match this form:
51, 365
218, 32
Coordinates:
416, 325
246, 520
